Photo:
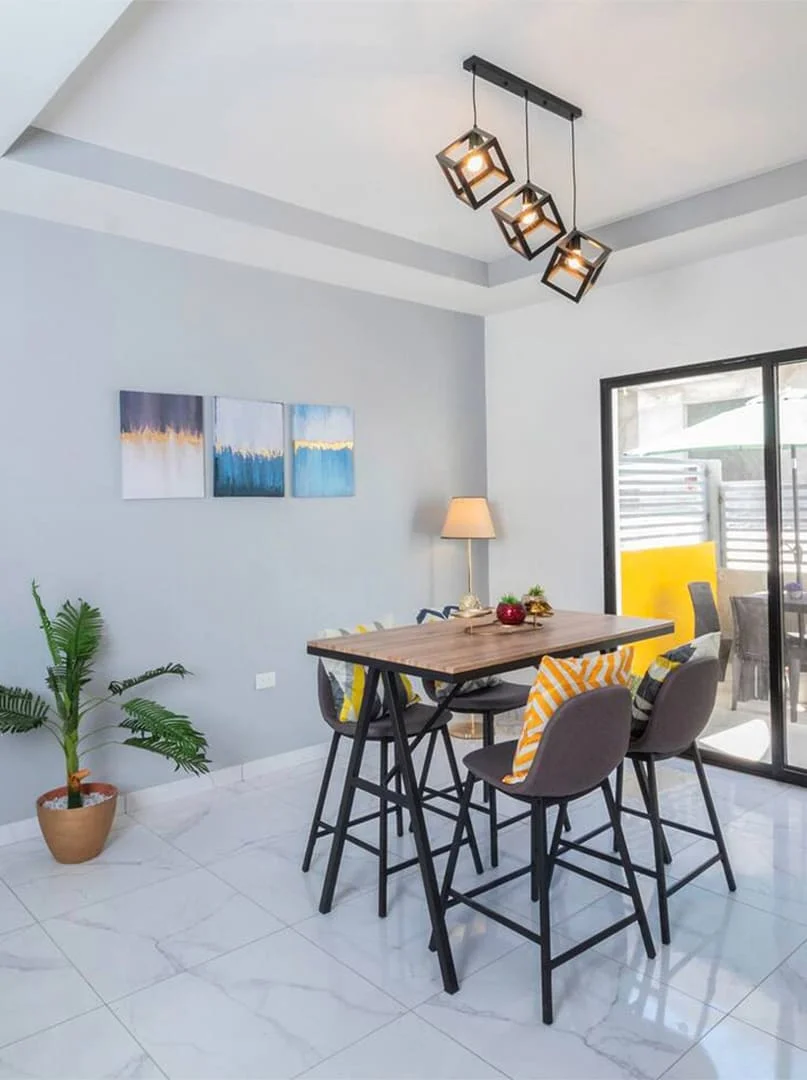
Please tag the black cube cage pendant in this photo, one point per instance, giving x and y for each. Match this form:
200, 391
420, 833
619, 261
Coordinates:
529, 220
475, 167
575, 265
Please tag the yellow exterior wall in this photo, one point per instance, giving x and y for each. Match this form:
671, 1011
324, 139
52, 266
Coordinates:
654, 585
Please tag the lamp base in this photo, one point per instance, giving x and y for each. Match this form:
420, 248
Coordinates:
469, 602
466, 727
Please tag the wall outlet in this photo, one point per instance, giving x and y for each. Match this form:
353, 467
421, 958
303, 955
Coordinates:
265, 680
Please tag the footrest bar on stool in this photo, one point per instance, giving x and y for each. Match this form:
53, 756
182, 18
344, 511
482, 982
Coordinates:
693, 874
703, 833
464, 898
595, 939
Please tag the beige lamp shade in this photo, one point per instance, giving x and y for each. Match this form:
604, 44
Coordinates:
468, 518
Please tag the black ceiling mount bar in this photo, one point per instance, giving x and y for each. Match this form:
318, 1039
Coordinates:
505, 80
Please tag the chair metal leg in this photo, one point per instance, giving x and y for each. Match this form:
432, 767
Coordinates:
560, 823
713, 818
658, 850
541, 873
349, 790
427, 764
383, 823
457, 781
488, 738
642, 781
320, 804
620, 777
535, 885
630, 876
399, 817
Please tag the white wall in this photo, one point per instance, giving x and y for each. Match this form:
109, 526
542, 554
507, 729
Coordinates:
543, 368
230, 587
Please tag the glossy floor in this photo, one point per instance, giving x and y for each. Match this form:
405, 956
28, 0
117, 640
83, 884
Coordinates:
192, 948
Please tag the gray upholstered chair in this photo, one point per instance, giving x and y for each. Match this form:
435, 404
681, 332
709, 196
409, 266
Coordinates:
417, 717
583, 742
707, 619
680, 713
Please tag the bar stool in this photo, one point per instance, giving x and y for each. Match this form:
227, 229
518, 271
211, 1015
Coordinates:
583, 742
489, 702
418, 725
680, 713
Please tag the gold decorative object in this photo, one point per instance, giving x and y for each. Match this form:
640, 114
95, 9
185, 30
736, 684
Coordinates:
537, 605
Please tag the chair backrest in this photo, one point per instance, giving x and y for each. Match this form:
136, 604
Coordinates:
707, 619
750, 614
582, 744
682, 708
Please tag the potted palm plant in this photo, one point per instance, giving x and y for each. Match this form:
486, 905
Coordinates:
76, 818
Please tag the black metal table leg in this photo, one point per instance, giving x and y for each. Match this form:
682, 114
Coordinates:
421, 837
349, 790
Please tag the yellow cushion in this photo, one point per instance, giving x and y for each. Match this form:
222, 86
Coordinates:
556, 682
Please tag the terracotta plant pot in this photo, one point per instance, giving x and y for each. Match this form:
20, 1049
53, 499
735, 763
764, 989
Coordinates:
511, 614
74, 836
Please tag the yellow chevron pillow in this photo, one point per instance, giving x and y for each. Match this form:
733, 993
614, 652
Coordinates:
556, 682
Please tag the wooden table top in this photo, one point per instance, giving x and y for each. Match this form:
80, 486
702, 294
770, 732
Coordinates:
444, 650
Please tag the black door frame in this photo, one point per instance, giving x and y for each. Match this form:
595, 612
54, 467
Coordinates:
769, 364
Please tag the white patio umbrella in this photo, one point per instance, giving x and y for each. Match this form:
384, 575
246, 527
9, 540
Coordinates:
742, 428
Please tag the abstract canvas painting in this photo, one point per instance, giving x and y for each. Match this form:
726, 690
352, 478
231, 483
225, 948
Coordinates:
249, 448
322, 450
162, 446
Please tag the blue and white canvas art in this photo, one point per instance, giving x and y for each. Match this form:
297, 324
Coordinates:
322, 450
249, 457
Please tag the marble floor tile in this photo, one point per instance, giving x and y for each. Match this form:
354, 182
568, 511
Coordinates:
734, 1051
406, 1048
270, 1009
38, 986
132, 941
720, 950
269, 873
768, 852
94, 1046
609, 1021
13, 914
223, 821
133, 857
393, 952
779, 1004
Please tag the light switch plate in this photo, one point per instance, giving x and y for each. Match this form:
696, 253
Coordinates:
265, 680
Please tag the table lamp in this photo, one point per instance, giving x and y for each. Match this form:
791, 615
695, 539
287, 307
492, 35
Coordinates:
468, 518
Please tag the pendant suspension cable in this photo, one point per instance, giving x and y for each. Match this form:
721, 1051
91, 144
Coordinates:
527, 133
574, 179
473, 92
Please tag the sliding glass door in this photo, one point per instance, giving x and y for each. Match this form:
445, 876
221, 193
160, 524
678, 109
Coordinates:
705, 505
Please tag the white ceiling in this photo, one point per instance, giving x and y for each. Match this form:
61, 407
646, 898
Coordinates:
340, 107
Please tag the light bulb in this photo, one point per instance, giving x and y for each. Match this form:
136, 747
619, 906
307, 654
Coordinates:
573, 261
529, 217
474, 163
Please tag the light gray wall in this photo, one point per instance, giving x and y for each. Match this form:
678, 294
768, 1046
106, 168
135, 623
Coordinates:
230, 587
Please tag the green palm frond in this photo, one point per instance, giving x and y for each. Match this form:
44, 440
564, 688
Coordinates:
77, 631
166, 733
47, 628
153, 673
21, 710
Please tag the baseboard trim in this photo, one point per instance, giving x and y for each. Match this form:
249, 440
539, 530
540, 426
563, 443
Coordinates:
130, 801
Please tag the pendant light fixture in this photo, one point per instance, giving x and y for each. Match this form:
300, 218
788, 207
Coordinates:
578, 259
474, 165
529, 219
